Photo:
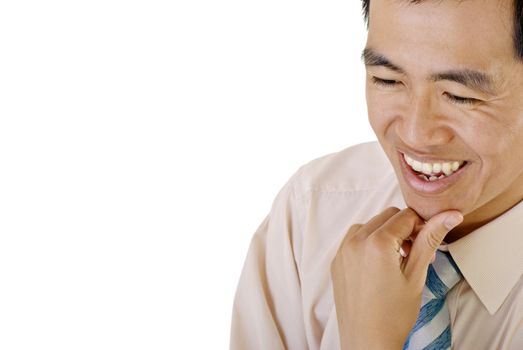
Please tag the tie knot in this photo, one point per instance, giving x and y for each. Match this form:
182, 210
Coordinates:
442, 275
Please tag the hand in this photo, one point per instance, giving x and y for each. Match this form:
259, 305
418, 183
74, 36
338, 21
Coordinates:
377, 292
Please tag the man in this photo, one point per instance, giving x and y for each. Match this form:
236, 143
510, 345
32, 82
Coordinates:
336, 263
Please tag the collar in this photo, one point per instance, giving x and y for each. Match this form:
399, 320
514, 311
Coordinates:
490, 257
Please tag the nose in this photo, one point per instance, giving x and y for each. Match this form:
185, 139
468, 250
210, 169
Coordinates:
422, 126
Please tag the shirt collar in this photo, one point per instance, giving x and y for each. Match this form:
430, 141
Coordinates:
490, 257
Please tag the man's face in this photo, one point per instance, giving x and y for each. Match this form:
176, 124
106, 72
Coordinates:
432, 102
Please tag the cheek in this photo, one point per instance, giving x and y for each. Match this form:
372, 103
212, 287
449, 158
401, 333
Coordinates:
381, 114
493, 141
497, 163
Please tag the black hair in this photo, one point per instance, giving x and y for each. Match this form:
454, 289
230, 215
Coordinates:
518, 24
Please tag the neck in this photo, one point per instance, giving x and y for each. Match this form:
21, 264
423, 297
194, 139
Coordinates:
482, 216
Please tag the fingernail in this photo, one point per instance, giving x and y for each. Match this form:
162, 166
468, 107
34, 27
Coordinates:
452, 221
433, 258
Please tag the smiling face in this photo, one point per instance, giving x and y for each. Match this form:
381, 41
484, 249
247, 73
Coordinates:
443, 85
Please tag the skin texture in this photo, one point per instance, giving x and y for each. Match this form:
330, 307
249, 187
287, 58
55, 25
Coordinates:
377, 293
416, 114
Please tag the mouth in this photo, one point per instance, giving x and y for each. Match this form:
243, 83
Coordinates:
439, 181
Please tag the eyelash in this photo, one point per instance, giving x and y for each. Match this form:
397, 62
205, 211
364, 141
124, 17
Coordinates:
453, 98
384, 82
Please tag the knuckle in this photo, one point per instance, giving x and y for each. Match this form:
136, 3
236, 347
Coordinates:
348, 241
353, 230
377, 243
410, 212
355, 227
403, 226
375, 249
392, 210
412, 217
432, 240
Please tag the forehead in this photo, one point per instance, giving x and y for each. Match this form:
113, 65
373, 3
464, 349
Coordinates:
474, 34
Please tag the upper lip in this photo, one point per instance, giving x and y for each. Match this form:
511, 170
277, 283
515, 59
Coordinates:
428, 159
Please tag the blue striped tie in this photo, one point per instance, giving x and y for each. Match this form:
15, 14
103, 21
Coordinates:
432, 328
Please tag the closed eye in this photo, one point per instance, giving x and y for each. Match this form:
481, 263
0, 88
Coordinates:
461, 100
453, 98
384, 82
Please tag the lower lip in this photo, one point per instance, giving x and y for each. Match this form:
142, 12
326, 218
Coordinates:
429, 187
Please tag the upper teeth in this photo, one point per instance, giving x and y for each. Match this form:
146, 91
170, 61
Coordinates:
433, 168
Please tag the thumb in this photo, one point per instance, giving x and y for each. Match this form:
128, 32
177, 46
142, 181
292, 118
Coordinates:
428, 240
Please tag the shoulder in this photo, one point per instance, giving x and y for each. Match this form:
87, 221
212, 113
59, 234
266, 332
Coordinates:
355, 168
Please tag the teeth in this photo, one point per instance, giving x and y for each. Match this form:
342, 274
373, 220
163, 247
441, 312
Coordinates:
432, 169
426, 168
416, 165
447, 168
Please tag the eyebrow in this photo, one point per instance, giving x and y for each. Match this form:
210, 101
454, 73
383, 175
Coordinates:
472, 79
372, 58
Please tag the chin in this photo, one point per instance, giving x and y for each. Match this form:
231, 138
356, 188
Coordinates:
425, 212
426, 209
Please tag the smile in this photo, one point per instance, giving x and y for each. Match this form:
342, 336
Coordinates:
433, 171
431, 177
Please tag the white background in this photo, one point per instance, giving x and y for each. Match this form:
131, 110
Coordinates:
141, 145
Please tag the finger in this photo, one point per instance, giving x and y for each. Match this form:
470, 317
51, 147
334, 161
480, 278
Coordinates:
428, 240
407, 244
353, 231
403, 225
377, 221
